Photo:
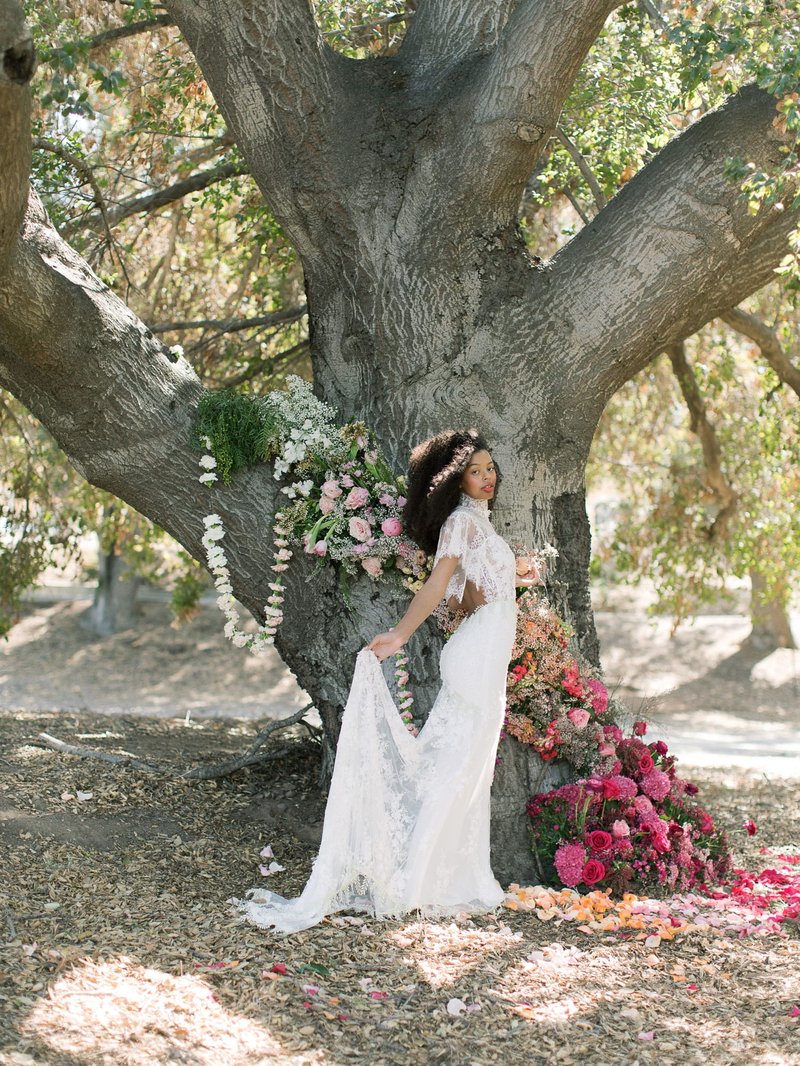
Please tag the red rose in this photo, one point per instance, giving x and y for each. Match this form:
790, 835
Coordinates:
646, 763
750, 826
598, 840
639, 729
611, 790
593, 871
705, 822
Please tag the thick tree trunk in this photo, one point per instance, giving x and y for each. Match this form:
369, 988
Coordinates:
114, 605
398, 180
772, 627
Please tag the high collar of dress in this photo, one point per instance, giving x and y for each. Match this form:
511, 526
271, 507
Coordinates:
474, 505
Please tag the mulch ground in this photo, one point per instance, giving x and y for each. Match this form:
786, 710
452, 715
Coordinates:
120, 948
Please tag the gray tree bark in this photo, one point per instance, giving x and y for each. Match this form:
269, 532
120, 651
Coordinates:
398, 180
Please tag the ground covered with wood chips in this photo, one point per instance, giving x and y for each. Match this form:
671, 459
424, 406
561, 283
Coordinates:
119, 946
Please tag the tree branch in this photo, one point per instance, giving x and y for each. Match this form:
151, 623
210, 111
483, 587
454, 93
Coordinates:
280, 104
232, 325
673, 249
210, 772
768, 342
119, 33
443, 32
106, 217
517, 93
583, 167
703, 428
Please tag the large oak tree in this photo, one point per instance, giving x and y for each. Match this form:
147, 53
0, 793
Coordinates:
398, 179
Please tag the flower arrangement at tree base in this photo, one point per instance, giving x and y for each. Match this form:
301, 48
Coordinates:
637, 824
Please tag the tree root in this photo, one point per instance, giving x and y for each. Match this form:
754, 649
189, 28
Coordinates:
251, 757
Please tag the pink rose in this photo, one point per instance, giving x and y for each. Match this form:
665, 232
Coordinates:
579, 717
326, 504
620, 829
392, 527
359, 529
593, 871
373, 566
604, 748
356, 498
331, 489
321, 547
639, 729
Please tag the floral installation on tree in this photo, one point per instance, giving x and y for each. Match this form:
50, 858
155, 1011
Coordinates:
343, 502
555, 704
637, 823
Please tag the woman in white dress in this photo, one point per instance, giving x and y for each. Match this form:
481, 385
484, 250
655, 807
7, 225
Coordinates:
407, 820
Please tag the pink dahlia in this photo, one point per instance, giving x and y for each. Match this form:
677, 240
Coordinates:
569, 861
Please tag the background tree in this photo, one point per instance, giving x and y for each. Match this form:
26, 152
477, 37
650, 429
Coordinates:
398, 179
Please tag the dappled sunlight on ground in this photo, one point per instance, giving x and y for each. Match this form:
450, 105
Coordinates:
118, 1011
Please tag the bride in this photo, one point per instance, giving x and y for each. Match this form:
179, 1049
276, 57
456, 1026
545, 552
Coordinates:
407, 819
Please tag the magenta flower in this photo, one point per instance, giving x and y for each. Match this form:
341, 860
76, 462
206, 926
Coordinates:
656, 784
569, 861
599, 695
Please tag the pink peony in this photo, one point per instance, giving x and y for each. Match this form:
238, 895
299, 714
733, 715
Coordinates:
579, 717
656, 784
620, 829
599, 695
373, 566
392, 527
359, 529
356, 497
593, 871
331, 489
569, 860
321, 547
326, 504
598, 840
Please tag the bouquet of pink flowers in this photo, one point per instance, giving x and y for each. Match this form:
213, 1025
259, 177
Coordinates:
636, 823
554, 702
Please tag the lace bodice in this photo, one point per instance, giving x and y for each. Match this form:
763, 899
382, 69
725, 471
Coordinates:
484, 558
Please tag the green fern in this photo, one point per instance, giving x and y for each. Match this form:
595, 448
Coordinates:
242, 430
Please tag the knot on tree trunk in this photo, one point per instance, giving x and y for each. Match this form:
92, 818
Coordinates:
19, 62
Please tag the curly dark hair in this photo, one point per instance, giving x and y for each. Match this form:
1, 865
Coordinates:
434, 482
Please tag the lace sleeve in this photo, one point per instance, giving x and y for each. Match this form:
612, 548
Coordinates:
458, 538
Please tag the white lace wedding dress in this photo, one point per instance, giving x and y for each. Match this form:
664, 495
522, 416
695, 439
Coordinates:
407, 819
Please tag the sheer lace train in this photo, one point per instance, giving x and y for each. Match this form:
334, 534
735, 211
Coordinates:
407, 820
